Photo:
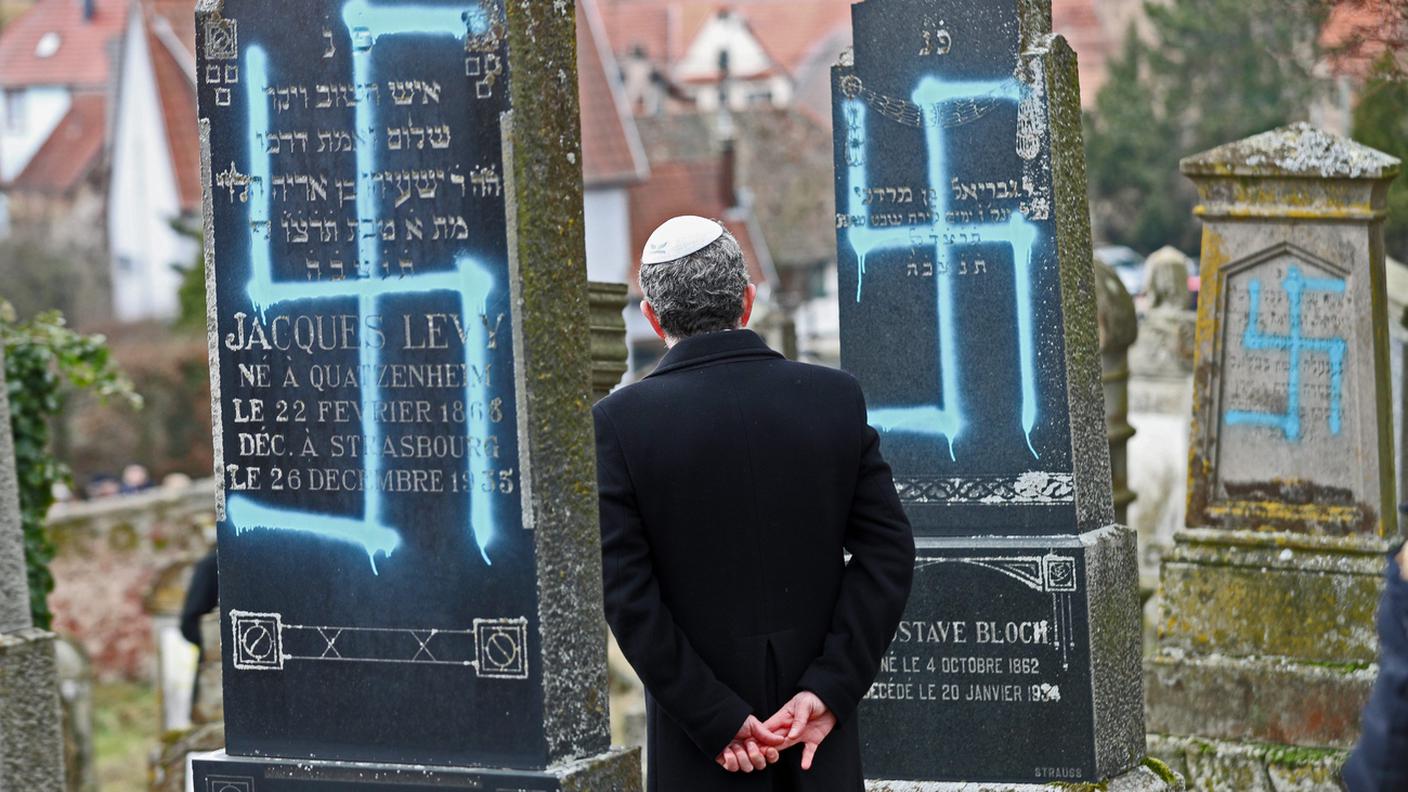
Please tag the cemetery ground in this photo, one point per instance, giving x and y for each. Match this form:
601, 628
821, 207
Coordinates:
125, 719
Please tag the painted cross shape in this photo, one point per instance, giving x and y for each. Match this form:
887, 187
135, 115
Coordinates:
1294, 343
366, 22
945, 417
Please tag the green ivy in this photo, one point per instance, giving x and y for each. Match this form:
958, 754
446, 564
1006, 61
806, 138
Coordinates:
44, 359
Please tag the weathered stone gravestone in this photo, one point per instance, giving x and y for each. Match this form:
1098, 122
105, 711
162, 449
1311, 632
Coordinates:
1266, 639
1118, 325
409, 564
1160, 402
31, 720
968, 313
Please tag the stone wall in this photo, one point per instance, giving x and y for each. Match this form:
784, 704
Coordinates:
109, 553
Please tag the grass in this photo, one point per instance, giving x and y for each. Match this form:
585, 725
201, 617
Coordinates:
126, 725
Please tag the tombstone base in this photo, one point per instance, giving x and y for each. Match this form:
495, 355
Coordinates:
1249, 766
1308, 704
1264, 638
615, 771
1246, 594
31, 734
1152, 776
1049, 658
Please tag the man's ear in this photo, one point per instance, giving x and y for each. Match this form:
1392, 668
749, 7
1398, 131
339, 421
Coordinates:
749, 295
649, 311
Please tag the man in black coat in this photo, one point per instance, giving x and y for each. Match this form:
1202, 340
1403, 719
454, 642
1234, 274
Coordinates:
732, 484
1380, 760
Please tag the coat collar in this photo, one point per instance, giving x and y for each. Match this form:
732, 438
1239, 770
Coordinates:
713, 347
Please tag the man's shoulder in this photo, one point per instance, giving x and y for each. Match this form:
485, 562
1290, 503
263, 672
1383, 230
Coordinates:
818, 380
826, 378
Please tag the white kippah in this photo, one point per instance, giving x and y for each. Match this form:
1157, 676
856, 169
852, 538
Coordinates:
678, 237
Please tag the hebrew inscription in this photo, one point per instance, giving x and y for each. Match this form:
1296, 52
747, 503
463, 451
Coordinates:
372, 535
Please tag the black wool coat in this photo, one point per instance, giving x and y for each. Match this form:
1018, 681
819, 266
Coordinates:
731, 482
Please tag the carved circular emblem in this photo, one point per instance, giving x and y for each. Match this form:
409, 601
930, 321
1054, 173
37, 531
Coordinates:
850, 86
501, 650
256, 641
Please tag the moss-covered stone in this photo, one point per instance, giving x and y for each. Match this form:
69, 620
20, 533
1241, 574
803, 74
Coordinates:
1269, 699
548, 281
1217, 766
1233, 598
1163, 771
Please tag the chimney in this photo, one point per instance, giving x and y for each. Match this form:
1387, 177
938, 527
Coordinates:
88, 8
728, 165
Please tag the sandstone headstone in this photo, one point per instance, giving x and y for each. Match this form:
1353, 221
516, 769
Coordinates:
1160, 402
1165, 345
968, 313
1268, 595
610, 355
31, 718
409, 563
1119, 327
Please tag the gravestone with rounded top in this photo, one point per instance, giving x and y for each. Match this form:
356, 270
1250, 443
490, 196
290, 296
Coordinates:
968, 314
410, 583
1269, 592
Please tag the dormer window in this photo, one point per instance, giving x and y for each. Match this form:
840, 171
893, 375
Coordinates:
48, 45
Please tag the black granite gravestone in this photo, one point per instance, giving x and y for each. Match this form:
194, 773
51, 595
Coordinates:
968, 313
379, 564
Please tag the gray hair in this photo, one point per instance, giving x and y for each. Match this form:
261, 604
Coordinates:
699, 293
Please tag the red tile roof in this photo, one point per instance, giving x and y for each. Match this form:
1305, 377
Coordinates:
686, 187
1359, 32
71, 151
87, 48
172, 57
611, 150
789, 30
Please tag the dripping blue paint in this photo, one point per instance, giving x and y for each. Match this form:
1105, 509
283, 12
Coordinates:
945, 417
366, 22
1294, 344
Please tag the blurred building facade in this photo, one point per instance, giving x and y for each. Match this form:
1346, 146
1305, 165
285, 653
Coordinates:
714, 107
56, 66
155, 174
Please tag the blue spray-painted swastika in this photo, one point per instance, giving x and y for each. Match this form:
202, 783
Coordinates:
945, 416
471, 280
1293, 343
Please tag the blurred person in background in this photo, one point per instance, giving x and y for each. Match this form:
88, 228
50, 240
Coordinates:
1379, 762
135, 478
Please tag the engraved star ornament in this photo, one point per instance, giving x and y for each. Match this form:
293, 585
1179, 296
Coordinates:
678, 237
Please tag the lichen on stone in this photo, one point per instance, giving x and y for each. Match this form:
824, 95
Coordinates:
1296, 150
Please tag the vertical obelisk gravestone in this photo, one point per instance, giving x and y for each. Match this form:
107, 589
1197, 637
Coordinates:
409, 572
968, 313
31, 734
1267, 633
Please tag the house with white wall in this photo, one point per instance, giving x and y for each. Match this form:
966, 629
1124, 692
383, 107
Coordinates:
613, 159
55, 71
155, 172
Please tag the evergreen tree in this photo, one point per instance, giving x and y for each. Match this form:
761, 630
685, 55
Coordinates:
1381, 121
1211, 72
